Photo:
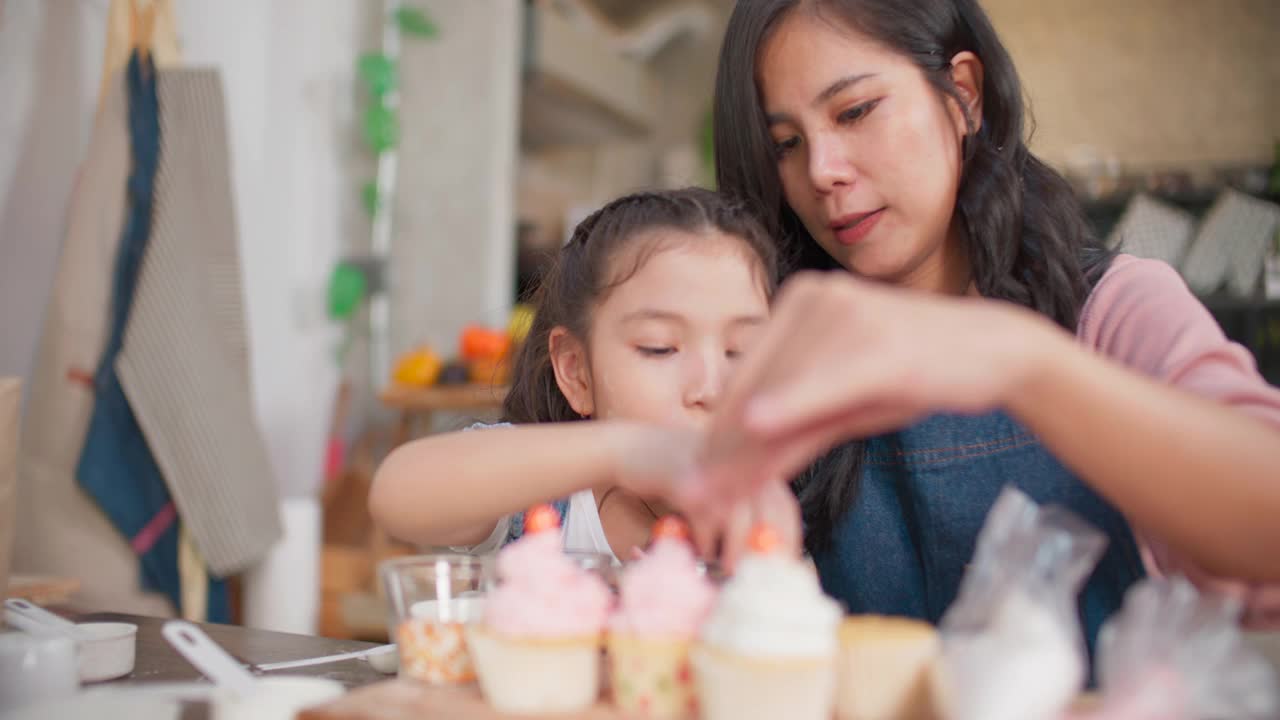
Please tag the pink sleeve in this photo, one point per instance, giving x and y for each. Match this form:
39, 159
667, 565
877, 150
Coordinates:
1142, 315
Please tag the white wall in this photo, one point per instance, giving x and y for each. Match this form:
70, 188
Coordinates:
50, 55
288, 70
1154, 84
454, 245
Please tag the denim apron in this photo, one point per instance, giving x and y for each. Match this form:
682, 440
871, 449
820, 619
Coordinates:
925, 492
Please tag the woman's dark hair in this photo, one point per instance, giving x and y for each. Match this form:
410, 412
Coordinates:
1025, 232
584, 273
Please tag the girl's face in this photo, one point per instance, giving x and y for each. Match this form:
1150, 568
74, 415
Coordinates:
869, 155
663, 341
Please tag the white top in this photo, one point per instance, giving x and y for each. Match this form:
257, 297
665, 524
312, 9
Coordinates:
582, 530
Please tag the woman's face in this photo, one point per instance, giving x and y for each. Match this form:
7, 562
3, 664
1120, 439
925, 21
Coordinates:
869, 153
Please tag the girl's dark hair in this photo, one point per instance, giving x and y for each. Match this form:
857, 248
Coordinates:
1025, 232
585, 271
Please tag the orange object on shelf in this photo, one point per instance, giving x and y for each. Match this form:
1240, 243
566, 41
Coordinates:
480, 343
490, 371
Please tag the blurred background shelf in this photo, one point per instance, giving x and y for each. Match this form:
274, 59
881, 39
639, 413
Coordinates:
577, 88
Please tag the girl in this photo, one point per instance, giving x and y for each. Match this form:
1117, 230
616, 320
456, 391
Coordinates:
981, 335
637, 325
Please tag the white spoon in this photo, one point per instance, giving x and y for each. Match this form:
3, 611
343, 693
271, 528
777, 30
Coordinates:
208, 657
32, 618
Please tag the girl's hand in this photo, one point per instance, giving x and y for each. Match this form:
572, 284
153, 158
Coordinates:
844, 358
651, 461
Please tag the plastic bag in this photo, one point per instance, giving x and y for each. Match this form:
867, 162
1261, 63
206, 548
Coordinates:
1174, 654
1011, 643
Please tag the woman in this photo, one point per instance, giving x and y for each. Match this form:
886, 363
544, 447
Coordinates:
982, 335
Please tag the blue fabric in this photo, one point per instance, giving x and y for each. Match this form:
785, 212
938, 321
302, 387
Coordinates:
116, 466
925, 492
517, 519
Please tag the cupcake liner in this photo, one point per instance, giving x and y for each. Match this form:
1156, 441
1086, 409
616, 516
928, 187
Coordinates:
884, 669
738, 687
650, 676
434, 652
535, 676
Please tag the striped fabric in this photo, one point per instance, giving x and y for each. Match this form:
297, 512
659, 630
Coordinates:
1231, 245
1154, 230
184, 366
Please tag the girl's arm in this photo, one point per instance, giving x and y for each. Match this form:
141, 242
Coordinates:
452, 489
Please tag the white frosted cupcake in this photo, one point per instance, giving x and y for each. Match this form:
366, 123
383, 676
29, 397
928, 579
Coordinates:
885, 668
538, 649
769, 649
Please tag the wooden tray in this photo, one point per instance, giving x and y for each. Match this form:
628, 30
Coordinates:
409, 700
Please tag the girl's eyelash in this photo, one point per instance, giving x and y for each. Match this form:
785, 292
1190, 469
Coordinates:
655, 351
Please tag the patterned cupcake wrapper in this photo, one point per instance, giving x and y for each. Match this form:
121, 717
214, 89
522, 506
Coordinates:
652, 679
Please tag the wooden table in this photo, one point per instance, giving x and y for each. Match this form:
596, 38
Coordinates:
392, 700
158, 662
417, 405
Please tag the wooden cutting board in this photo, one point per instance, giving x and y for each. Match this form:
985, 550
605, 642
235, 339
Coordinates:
409, 700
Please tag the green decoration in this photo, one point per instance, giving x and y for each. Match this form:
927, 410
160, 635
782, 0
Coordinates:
369, 196
381, 128
379, 72
346, 290
413, 21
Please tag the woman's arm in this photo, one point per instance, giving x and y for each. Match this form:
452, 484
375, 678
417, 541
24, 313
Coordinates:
843, 358
452, 489
1202, 476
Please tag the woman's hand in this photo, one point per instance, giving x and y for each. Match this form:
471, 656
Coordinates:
845, 358
725, 536
656, 462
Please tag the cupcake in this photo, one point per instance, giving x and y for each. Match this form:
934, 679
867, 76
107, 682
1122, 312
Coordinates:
664, 599
537, 651
884, 669
769, 648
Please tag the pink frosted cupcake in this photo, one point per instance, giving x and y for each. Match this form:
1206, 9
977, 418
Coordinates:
664, 601
538, 649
